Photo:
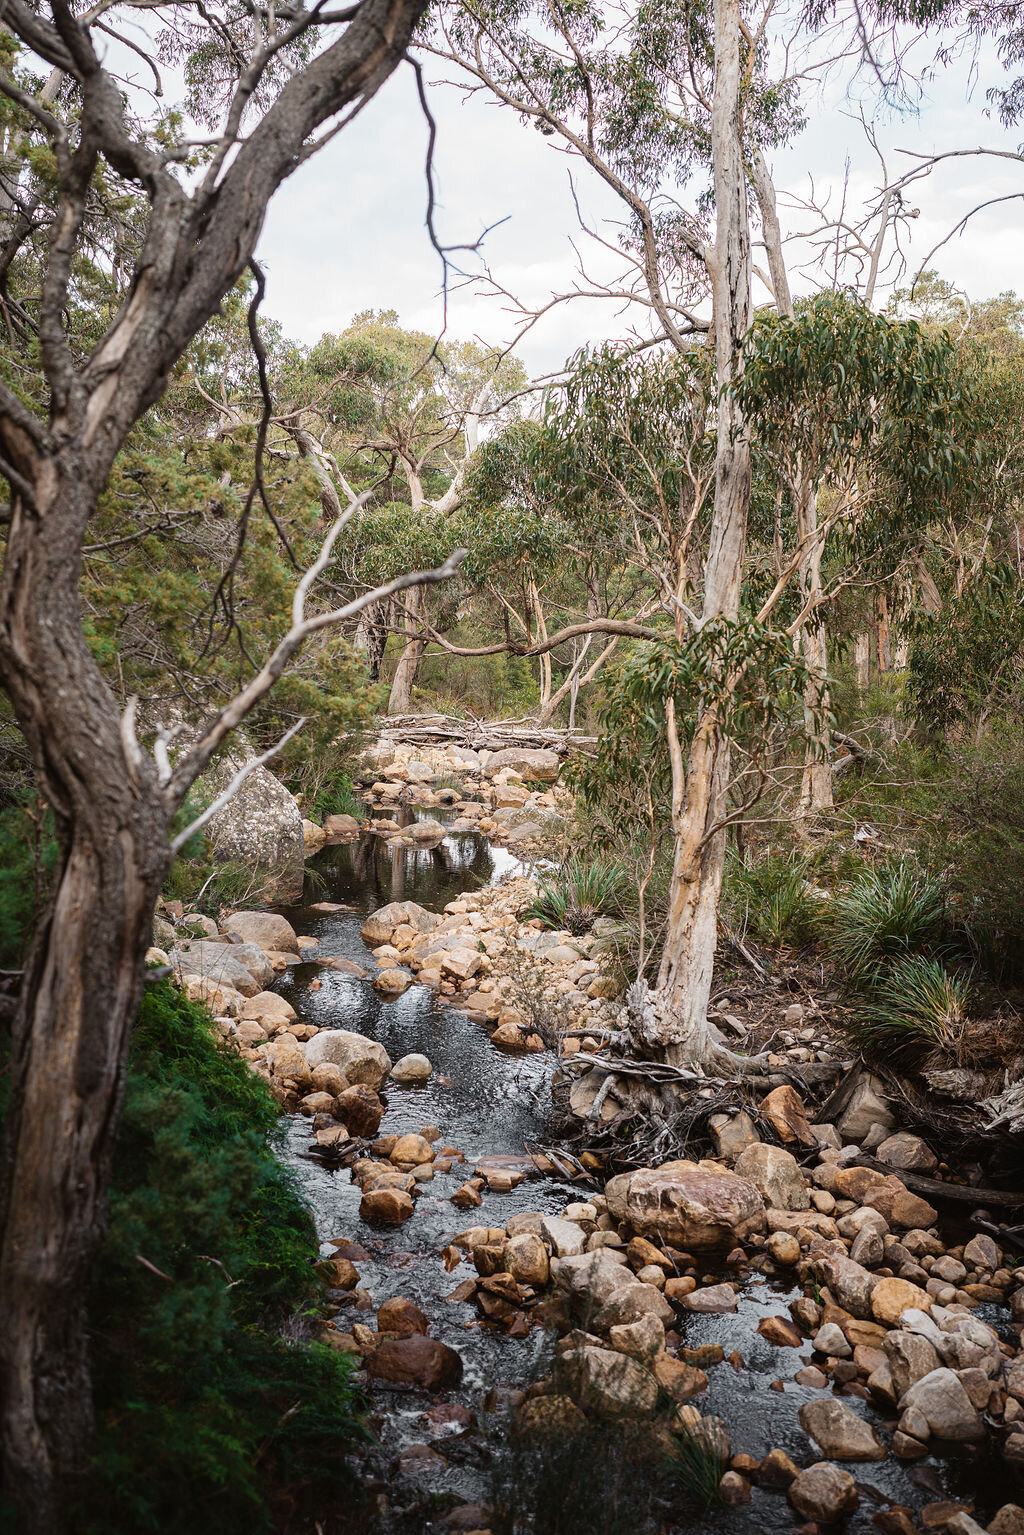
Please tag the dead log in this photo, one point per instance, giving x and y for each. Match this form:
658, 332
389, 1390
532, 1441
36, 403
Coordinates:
919, 1184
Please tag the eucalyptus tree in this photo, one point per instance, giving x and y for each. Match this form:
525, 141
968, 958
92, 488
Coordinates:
275, 85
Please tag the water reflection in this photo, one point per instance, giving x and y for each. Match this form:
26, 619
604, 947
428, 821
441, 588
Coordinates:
371, 873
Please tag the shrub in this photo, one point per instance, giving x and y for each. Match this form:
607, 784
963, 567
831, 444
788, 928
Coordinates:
916, 1006
887, 914
214, 1408
579, 892
772, 899
336, 796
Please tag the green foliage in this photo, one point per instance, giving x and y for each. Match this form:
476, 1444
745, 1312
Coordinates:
579, 892
207, 1397
916, 1005
28, 857
771, 897
336, 795
886, 915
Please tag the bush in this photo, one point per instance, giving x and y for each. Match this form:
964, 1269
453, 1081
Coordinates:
214, 1409
579, 892
917, 1006
887, 914
772, 899
336, 796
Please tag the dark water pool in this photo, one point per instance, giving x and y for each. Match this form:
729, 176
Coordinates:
485, 1102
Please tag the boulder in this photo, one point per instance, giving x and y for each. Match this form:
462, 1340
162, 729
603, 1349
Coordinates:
401, 1316
286, 1059
607, 1384
692, 1205
539, 765
265, 929
389, 1206
942, 1398
840, 1433
413, 1150
426, 830
867, 1106
358, 1106
415, 1361
380, 924
361, 1059
907, 1152
891, 1297
393, 982
733, 1133
313, 836
268, 1008
216, 963
223, 1001
341, 826
260, 827
776, 1174
566, 1238
911, 1357
411, 1068
823, 1492
784, 1109
526, 1259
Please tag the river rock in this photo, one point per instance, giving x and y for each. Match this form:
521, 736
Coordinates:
313, 836
286, 1059
223, 1001
361, 1059
341, 826
983, 1254
216, 963
260, 827
776, 1174
265, 929
891, 1297
358, 1107
412, 1150
462, 963
911, 1357
850, 1283
838, 1430
539, 765
784, 1109
389, 1206
415, 1361
907, 1152
867, 1106
733, 1133
607, 1384
392, 981
411, 1068
380, 924
823, 1492
942, 1398
692, 1205
641, 1339
713, 1300
566, 1238
526, 1259
268, 1008
401, 1316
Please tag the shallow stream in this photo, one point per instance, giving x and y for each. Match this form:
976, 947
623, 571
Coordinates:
486, 1102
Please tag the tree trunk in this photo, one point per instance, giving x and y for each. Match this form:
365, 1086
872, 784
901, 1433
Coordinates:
371, 637
699, 788
816, 785
883, 642
862, 663
400, 699
79, 997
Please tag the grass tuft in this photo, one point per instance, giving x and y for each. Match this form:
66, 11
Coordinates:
773, 900
916, 1006
577, 894
886, 915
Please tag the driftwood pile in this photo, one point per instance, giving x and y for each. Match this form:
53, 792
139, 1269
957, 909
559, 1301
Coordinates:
480, 735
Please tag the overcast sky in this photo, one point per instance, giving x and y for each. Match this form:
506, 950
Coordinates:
346, 233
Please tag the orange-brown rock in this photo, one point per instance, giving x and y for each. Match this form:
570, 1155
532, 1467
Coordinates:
697, 1205
401, 1316
360, 1110
784, 1109
415, 1361
390, 1206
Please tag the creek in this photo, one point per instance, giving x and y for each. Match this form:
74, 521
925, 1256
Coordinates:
486, 1102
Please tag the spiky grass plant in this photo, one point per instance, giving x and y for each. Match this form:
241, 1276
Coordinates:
886, 915
577, 894
916, 1006
772, 898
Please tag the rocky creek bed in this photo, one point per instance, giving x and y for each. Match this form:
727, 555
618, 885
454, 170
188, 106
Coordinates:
804, 1318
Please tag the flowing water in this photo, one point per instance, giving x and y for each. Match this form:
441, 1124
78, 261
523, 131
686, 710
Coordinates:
486, 1102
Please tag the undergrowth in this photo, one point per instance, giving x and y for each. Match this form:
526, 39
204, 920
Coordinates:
577, 894
772, 898
915, 1006
215, 1409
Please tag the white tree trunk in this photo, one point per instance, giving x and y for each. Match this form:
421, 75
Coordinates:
816, 785
680, 1003
400, 698
862, 663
